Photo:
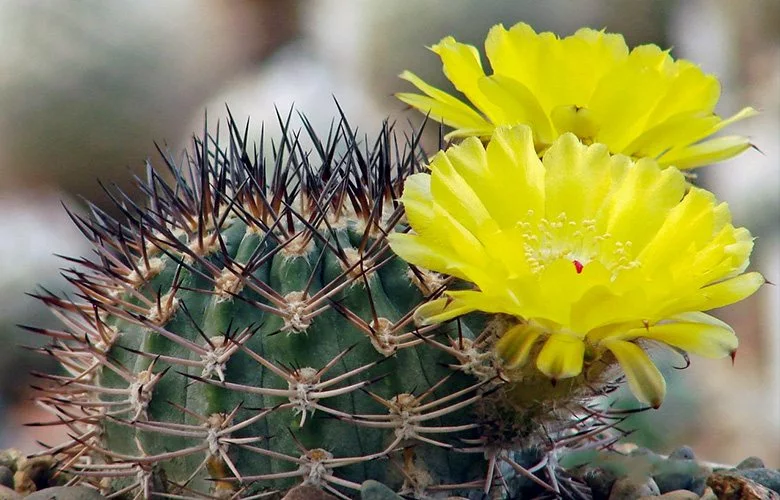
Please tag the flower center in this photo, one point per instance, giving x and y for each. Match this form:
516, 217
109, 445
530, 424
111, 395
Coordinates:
546, 241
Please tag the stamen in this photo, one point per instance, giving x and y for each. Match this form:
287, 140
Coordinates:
547, 240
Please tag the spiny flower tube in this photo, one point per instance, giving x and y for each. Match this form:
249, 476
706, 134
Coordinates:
640, 103
597, 256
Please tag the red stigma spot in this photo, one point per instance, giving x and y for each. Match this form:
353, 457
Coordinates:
733, 355
578, 266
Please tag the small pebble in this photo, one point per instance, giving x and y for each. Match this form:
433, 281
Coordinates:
374, 490
674, 495
680, 474
708, 494
600, 482
751, 463
7, 493
33, 472
6, 476
307, 492
631, 488
683, 453
10, 458
765, 477
732, 486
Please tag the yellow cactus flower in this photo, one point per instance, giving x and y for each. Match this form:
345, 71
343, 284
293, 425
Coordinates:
640, 103
595, 254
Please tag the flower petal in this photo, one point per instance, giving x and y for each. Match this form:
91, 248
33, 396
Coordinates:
704, 339
518, 104
644, 378
581, 122
705, 153
641, 103
439, 311
413, 248
418, 205
626, 95
443, 107
462, 66
440, 231
515, 344
718, 295
732, 290
689, 225
454, 194
683, 129
640, 202
580, 177
514, 52
690, 90
517, 183
561, 357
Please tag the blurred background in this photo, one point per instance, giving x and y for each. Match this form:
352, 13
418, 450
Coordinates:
86, 88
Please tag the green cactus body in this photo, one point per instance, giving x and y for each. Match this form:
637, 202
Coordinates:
244, 334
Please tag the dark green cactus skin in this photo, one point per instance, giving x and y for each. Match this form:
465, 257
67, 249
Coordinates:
213, 264
412, 370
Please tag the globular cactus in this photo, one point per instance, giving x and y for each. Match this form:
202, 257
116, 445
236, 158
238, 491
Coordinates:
248, 331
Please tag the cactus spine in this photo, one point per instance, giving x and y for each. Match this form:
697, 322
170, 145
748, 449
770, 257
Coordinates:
245, 333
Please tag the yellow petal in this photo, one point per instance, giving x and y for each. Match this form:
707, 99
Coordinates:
454, 194
561, 285
705, 153
644, 379
695, 133
688, 224
517, 183
418, 204
484, 301
422, 253
518, 105
742, 114
462, 66
438, 229
641, 202
561, 357
681, 129
515, 344
572, 73
579, 121
708, 339
439, 310
640, 103
442, 106
514, 53
691, 90
579, 176
602, 305
720, 294
626, 95
460, 302
461, 240
732, 290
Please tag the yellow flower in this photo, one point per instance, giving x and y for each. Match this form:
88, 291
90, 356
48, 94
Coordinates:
593, 252
640, 103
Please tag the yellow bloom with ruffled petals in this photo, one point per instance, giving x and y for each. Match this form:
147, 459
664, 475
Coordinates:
640, 103
593, 253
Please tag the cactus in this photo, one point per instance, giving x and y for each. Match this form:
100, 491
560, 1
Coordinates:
247, 332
